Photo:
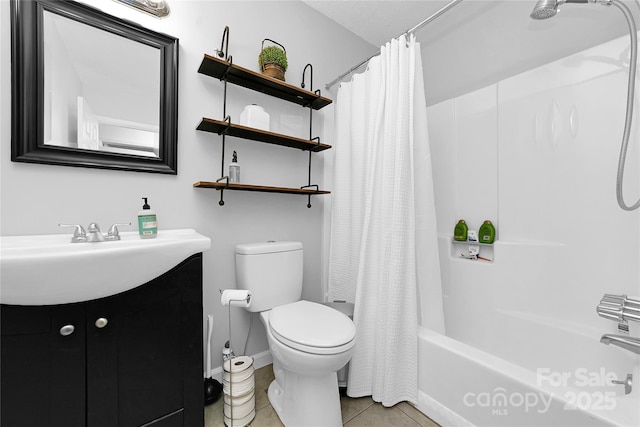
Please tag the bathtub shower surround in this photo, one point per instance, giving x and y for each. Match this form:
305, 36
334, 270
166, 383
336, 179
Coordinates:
381, 149
548, 140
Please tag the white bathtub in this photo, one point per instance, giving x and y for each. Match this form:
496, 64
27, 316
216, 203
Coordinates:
462, 386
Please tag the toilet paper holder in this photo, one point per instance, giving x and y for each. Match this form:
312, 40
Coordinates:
235, 298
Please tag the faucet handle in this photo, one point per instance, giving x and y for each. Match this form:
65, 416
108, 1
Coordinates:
113, 233
79, 235
627, 382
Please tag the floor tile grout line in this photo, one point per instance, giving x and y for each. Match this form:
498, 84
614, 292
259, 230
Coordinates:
411, 418
355, 415
419, 422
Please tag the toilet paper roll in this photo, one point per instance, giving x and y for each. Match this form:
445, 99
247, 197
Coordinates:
236, 297
241, 410
238, 400
237, 390
246, 384
238, 364
237, 377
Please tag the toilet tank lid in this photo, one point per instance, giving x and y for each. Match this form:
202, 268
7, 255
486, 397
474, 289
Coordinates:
268, 247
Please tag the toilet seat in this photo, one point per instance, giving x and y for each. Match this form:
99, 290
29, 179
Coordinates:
312, 328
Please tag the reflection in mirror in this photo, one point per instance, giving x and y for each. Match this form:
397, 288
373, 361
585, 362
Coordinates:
94, 102
91, 90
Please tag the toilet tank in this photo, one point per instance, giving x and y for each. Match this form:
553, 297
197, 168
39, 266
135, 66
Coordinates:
272, 271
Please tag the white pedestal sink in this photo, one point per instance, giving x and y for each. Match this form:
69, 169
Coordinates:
48, 269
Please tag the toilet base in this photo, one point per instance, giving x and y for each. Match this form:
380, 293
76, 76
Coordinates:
306, 401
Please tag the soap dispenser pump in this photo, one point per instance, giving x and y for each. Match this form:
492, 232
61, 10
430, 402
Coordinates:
234, 169
147, 221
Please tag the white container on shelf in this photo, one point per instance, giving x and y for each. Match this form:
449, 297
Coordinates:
254, 116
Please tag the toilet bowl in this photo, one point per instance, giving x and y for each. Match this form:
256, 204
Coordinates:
309, 343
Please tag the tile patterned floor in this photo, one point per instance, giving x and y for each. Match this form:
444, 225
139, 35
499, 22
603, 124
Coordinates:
358, 412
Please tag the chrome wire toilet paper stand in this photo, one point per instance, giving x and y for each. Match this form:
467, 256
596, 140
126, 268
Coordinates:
236, 298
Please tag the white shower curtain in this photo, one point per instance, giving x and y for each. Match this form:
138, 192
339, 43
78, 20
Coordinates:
383, 233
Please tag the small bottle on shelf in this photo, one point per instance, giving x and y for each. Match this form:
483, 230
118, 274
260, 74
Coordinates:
487, 232
460, 231
234, 169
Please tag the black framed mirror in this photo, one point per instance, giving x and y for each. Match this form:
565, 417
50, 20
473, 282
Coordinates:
91, 90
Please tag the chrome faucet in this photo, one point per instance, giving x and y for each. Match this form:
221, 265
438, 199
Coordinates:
93, 234
628, 343
627, 383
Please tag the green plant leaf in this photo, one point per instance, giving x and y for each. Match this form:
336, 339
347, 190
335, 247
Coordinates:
273, 54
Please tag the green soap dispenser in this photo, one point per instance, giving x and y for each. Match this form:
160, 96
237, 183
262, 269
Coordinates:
487, 232
147, 222
460, 232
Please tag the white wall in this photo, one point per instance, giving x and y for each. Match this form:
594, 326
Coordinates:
35, 198
537, 154
480, 42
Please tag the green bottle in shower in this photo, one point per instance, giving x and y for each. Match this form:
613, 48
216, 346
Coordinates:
487, 232
460, 231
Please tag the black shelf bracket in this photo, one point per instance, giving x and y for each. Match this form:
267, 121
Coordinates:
223, 52
309, 196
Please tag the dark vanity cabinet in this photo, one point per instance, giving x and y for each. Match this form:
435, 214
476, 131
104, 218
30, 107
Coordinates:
132, 359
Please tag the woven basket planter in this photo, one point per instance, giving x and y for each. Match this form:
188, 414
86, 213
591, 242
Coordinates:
270, 68
274, 70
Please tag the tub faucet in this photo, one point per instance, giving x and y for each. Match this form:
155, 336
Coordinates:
622, 341
627, 383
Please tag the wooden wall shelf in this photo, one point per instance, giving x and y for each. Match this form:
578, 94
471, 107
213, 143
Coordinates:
228, 72
257, 188
220, 127
215, 67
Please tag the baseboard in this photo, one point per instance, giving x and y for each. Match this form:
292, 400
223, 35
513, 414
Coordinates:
440, 413
260, 360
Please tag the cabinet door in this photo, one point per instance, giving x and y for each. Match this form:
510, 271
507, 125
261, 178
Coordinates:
42, 363
141, 348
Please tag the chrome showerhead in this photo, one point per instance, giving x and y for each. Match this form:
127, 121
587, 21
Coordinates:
545, 9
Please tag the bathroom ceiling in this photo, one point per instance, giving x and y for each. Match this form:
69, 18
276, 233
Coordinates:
477, 42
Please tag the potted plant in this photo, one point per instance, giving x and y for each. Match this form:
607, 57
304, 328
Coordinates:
273, 60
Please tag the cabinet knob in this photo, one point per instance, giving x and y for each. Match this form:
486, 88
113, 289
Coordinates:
101, 322
67, 330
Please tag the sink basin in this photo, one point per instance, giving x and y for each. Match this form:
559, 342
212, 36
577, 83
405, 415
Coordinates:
48, 269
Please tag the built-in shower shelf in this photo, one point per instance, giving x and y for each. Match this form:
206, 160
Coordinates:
257, 188
225, 70
467, 242
245, 132
460, 250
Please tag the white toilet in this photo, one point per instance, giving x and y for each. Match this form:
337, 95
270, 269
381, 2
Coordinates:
309, 342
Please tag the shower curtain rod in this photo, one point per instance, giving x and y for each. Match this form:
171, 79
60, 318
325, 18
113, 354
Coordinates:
441, 11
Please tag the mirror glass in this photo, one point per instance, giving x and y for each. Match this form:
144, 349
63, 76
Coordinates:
94, 90
96, 102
